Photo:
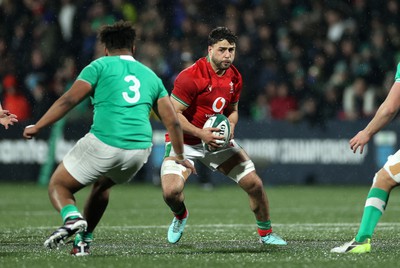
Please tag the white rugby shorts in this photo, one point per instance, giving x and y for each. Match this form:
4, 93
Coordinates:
213, 160
91, 158
392, 166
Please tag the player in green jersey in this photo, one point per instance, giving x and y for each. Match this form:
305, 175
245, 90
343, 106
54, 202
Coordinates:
387, 178
123, 91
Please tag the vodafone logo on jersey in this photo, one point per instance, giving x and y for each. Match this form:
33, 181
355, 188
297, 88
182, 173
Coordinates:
218, 104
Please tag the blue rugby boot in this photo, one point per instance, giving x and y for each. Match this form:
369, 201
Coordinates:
272, 239
176, 228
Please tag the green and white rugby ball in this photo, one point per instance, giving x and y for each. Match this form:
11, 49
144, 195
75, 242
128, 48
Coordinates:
219, 121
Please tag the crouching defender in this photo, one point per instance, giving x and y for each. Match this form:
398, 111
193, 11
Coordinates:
123, 93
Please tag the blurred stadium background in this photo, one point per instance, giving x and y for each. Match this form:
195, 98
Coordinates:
314, 74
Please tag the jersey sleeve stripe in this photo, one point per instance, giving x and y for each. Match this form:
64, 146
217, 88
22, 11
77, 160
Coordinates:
179, 100
81, 79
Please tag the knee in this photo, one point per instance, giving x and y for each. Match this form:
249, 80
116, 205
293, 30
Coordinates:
257, 187
62, 180
252, 184
56, 184
384, 181
172, 186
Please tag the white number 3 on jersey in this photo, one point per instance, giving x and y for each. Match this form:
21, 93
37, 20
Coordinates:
134, 89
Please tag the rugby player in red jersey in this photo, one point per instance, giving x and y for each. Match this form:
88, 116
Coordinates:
212, 85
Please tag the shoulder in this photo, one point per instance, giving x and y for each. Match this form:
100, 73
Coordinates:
235, 74
194, 74
99, 63
93, 69
140, 69
196, 70
144, 68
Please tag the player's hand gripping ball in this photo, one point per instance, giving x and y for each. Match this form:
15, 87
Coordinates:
218, 121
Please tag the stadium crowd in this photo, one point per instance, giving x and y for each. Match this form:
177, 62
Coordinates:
302, 60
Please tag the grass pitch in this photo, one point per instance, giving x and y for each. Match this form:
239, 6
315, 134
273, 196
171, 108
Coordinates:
220, 232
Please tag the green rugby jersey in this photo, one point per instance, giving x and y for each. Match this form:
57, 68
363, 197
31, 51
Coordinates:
397, 76
124, 91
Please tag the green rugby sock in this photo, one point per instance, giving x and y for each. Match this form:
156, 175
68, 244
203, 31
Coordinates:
264, 227
86, 237
374, 207
71, 212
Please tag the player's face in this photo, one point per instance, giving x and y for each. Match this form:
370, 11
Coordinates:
221, 55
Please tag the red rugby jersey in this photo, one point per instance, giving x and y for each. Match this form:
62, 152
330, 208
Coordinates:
205, 93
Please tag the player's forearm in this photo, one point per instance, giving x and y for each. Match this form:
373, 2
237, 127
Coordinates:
176, 136
170, 120
233, 118
232, 113
58, 110
383, 116
187, 127
386, 112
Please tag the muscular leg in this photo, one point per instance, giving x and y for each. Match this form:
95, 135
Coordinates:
61, 191
62, 187
240, 168
251, 184
259, 204
97, 202
384, 181
172, 187
375, 204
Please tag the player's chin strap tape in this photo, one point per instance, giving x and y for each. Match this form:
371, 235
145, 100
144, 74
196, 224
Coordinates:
241, 170
171, 167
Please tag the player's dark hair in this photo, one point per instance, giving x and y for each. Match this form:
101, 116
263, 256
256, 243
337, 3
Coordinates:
221, 33
119, 35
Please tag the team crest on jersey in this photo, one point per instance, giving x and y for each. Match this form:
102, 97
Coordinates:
231, 90
218, 104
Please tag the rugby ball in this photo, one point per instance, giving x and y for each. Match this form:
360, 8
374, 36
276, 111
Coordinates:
219, 121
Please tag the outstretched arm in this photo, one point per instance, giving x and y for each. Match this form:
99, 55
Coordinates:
383, 116
79, 91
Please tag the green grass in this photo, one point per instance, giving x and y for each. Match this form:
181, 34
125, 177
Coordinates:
220, 231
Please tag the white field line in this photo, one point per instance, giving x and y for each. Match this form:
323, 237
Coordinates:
224, 226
